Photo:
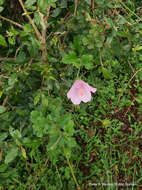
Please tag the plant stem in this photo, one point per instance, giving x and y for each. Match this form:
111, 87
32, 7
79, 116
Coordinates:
12, 22
78, 72
72, 172
38, 34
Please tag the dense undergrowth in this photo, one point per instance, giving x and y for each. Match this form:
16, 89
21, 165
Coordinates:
46, 142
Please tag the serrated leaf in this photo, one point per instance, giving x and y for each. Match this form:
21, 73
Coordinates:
2, 41
106, 73
11, 155
86, 61
71, 58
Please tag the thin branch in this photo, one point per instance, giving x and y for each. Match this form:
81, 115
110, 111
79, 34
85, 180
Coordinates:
131, 67
12, 22
53, 146
5, 100
72, 172
38, 34
100, 55
7, 59
44, 30
92, 5
75, 6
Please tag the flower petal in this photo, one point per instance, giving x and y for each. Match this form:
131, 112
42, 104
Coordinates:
73, 95
80, 91
75, 98
87, 95
92, 89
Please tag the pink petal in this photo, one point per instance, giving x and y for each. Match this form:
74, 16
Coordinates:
87, 94
76, 100
80, 91
73, 95
92, 89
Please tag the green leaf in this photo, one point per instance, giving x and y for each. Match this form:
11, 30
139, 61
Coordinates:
11, 155
44, 100
86, 61
77, 44
139, 99
3, 136
39, 123
85, 41
12, 80
69, 128
1, 93
63, 4
71, 58
1, 9
106, 122
137, 48
122, 34
29, 3
11, 40
88, 2
43, 4
27, 29
106, 73
2, 109
56, 12
36, 99
2, 2
3, 167
2, 41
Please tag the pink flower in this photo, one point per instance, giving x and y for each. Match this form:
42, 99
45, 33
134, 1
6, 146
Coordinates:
80, 91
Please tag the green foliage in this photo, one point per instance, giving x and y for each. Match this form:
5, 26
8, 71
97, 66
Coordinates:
53, 123
11, 155
2, 41
44, 139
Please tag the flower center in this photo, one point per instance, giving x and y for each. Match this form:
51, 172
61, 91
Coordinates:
81, 93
